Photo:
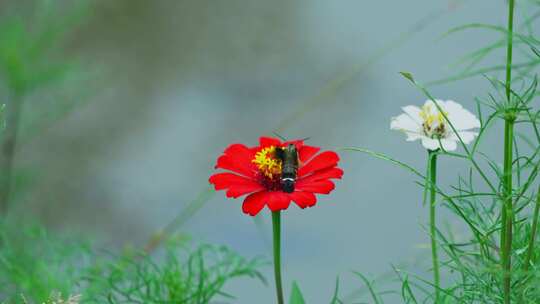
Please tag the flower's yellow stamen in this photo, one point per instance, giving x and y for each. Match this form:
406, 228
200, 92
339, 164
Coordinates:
267, 163
434, 121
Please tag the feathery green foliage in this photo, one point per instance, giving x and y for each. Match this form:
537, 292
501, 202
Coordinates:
494, 259
180, 276
36, 265
32, 60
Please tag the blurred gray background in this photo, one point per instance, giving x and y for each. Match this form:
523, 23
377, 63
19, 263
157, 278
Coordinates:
183, 79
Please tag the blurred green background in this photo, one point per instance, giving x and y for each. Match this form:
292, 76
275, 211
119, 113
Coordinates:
122, 144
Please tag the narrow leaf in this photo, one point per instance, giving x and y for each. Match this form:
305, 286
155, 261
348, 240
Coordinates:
408, 75
296, 295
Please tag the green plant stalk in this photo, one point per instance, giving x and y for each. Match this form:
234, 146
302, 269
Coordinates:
509, 49
276, 231
8, 148
534, 226
507, 214
432, 161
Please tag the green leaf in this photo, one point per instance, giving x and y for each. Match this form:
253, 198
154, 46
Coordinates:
296, 295
369, 286
384, 157
407, 75
535, 50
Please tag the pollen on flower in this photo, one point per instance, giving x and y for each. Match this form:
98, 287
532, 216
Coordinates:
267, 163
434, 122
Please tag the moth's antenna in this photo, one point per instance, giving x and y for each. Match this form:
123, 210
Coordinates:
281, 137
307, 138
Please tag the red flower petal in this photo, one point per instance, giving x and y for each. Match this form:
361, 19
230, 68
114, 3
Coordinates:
236, 185
314, 176
239, 150
237, 165
305, 153
239, 190
321, 161
322, 174
278, 200
237, 158
268, 141
254, 203
303, 199
322, 186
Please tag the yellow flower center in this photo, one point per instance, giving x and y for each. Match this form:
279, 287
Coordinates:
434, 122
267, 162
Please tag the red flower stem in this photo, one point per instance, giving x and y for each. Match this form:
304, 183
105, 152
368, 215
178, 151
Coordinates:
432, 160
276, 229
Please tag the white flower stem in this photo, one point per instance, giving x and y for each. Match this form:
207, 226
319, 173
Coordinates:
432, 163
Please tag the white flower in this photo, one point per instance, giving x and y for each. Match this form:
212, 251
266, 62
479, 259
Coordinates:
429, 125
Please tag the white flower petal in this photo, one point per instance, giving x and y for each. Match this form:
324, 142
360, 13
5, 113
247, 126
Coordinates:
434, 144
448, 144
430, 143
460, 117
412, 136
430, 103
404, 122
414, 113
466, 136
412, 123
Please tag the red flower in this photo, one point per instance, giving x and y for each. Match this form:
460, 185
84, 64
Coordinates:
257, 171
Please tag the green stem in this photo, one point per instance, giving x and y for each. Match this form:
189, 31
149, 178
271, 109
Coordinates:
507, 212
276, 229
533, 233
432, 159
8, 148
509, 49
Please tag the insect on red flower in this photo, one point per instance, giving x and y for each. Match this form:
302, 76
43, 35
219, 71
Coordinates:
257, 171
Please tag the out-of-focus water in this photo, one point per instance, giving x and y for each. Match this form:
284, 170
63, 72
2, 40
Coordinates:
186, 78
